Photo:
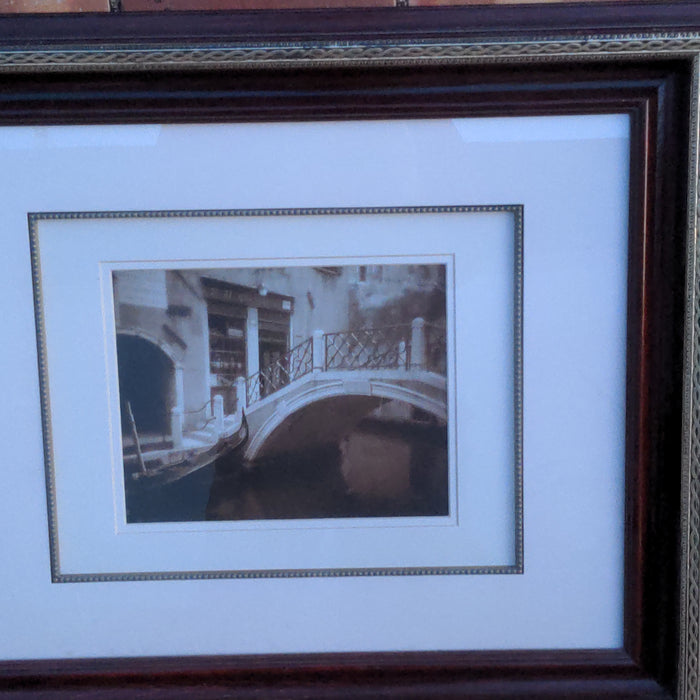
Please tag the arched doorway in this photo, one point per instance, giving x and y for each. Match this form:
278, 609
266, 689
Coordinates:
146, 382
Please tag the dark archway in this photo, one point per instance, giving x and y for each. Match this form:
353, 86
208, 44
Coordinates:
146, 376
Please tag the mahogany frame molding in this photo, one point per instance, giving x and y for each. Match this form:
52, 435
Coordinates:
639, 58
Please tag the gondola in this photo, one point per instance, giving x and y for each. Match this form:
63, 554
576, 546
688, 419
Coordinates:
168, 466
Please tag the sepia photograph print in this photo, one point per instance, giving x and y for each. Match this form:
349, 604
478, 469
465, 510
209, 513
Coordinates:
295, 392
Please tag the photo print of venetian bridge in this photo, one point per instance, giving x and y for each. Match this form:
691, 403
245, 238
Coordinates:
291, 392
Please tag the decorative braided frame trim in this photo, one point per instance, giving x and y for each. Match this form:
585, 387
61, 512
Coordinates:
689, 669
330, 54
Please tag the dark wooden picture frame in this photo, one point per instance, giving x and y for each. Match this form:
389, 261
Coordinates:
638, 59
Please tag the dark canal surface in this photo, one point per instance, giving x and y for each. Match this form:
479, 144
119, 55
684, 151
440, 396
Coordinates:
382, 469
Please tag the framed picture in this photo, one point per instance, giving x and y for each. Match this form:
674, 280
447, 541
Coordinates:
350, 362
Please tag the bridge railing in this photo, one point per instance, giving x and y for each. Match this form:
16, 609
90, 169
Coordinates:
436, 348
367, 348
415, 346
292, 365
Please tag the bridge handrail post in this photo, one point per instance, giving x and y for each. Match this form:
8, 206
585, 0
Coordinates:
318, 350
218, 406
176, 426
418, 344
241, 393
402, 359
177, 413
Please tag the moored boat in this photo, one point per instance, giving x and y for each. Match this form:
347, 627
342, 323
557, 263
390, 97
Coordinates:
167, 464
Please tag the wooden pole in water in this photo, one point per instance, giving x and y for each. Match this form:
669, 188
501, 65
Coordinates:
135, 435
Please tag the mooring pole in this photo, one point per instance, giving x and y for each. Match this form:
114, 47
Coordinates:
135, 435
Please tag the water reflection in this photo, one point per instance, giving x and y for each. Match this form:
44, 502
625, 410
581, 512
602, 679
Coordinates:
382, 469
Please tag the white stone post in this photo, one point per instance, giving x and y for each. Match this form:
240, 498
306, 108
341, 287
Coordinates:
176, 415
178, 411
252, 343
219, 414
241, 393
179, 387
318, 350
418, 349
402, 355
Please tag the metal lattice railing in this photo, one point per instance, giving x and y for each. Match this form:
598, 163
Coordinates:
436, 348
367, 348
292, 365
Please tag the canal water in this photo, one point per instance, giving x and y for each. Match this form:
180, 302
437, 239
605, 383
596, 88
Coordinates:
382, 469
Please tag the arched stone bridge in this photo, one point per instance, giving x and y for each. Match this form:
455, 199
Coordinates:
323, 387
